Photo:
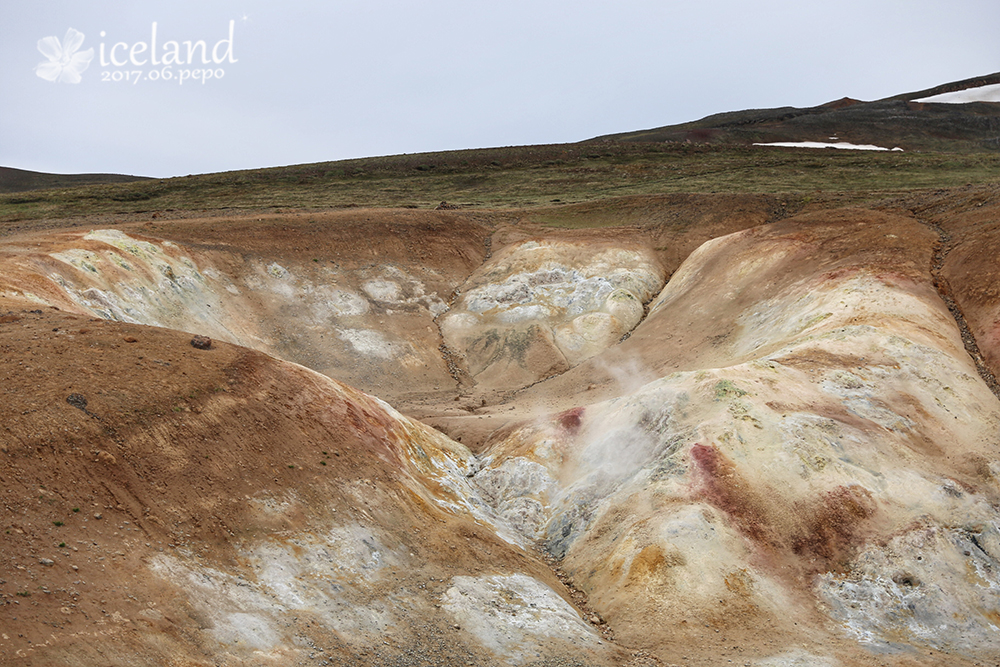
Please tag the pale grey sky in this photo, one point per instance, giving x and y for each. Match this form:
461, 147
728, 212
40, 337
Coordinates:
317, 80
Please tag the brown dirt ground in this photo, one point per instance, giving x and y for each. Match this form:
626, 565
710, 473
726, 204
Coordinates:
163, 457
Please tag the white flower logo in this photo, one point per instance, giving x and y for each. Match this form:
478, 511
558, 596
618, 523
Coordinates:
65, 64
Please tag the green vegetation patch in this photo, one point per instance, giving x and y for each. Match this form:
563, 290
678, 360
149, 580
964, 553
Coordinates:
726, 389
534, 177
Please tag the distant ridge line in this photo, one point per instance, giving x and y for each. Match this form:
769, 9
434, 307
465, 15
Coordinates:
22, 180
953, 87
897, 121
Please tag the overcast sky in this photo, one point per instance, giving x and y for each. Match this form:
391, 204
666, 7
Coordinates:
317, 80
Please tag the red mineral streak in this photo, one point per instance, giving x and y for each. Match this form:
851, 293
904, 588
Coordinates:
827, 530
571, 420
722, 486
835, 526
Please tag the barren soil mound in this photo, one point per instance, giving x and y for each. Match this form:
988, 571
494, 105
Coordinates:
699, 429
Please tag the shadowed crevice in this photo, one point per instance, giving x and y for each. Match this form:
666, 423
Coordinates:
944, 246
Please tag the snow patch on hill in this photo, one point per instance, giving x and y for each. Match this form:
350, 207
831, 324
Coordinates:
821, 144
980, 94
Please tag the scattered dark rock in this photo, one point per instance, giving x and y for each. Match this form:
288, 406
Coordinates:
445, 206
201, 342
77, 401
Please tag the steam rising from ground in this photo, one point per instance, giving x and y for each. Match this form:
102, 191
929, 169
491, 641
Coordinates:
812, 462
693, 488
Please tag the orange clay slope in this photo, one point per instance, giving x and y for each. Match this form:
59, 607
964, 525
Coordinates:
712, 431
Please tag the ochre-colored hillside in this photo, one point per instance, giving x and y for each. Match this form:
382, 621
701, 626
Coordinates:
644, 431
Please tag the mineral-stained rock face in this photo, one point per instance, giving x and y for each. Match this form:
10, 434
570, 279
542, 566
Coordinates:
540, 307
351, 314
850, 417
247, 511
791, 458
